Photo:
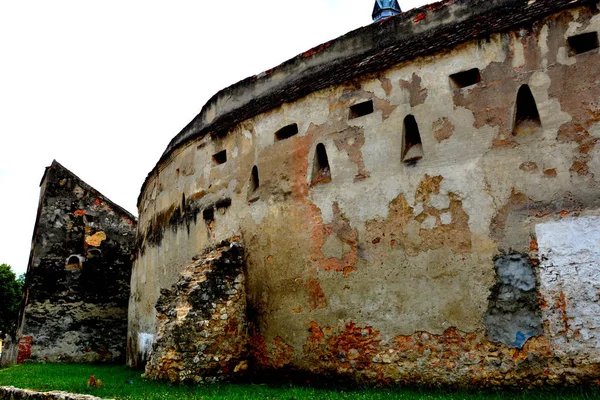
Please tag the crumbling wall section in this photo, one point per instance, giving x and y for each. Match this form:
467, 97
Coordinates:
202, 326
77, 284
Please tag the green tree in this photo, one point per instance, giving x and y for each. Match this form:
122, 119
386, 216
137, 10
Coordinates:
10, 299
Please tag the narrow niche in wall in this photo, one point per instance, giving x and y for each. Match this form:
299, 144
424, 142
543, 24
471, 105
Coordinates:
361, 109
321, 172
182, 211
74, 260
94, 253
74, 263
223, 205
286, 132
220, 157
583, 43
412, 147
527, 117
253, 193
465, 78
209, 215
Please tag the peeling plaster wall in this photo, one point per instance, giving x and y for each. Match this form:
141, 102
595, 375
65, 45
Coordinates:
77, 284
203, 331
385, 272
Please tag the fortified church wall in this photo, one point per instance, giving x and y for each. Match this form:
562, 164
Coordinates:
417, 201
74, 306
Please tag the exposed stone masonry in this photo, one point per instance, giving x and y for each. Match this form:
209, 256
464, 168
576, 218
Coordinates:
77, 285
202, 334
11, 393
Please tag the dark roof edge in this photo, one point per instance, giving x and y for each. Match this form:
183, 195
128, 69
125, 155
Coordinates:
375, 47
121, 210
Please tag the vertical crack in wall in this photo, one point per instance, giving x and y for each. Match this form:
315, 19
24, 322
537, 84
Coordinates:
422, 263
513, 314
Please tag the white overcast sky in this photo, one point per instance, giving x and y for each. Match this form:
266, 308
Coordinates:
103, 86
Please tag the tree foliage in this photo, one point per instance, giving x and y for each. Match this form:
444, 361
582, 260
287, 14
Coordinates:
10, 299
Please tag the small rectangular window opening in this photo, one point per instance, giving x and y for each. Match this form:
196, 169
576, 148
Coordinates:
253, 193
583, 43
361, 109
465, 78
220, 157
209, 215
223, 204
286, 132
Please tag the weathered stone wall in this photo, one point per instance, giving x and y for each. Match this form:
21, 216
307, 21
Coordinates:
202, 326
77, 284
12, 393
570, 283
399, 257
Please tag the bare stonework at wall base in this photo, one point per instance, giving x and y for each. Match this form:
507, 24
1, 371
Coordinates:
12, 393
203, 335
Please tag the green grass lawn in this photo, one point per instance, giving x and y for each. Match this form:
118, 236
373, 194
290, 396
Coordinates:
122, 383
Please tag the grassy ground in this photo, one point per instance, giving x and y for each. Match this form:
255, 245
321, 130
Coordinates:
122, 383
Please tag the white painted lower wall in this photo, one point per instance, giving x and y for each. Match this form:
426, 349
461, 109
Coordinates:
570, 285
